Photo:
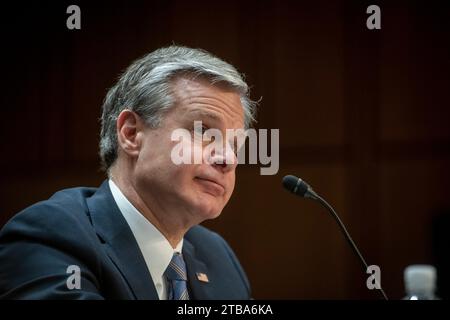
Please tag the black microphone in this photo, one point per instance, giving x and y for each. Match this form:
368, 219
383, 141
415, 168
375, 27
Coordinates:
302, 189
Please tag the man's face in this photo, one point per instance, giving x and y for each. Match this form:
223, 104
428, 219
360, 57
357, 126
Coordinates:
194, 192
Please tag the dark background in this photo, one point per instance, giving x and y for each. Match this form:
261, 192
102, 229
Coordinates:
363, 117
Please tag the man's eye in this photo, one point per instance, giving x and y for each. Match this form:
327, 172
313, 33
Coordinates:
200, 130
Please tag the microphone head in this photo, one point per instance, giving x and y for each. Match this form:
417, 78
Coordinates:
295, 185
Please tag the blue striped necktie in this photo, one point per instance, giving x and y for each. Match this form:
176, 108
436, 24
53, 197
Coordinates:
177, 279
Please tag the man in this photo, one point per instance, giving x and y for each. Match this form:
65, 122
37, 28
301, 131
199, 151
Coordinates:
137, 235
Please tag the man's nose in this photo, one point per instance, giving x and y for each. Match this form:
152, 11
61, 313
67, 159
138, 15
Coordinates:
223, 159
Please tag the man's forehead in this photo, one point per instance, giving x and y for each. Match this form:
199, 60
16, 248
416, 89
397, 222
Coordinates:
205, 100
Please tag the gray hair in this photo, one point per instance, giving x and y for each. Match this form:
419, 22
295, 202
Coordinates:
145, 88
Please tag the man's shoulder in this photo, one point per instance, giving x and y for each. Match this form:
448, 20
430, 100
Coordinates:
200, 233
66, 207
205, 241
39, 243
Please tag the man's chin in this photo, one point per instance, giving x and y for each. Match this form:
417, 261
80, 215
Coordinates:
208, 211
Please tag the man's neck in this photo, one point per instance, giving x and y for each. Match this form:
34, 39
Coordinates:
163, 222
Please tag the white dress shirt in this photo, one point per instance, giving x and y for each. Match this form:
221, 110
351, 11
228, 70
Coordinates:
155, 248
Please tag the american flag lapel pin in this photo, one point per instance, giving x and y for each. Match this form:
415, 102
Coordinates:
202, 277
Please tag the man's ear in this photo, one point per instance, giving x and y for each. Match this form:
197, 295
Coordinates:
129, 126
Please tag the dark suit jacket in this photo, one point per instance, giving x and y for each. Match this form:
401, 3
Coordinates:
84, 227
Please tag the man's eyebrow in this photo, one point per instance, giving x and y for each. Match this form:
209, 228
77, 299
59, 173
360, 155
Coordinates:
206, 114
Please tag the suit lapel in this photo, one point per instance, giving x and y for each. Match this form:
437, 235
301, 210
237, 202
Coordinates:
122, 247
200, 290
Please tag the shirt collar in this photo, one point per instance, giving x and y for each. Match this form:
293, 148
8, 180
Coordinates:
155, 248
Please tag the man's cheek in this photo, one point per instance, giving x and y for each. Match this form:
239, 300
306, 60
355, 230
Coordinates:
183, 174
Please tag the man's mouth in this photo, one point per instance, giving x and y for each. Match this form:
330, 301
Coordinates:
211, 186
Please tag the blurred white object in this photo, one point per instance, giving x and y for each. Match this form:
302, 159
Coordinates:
420, 282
